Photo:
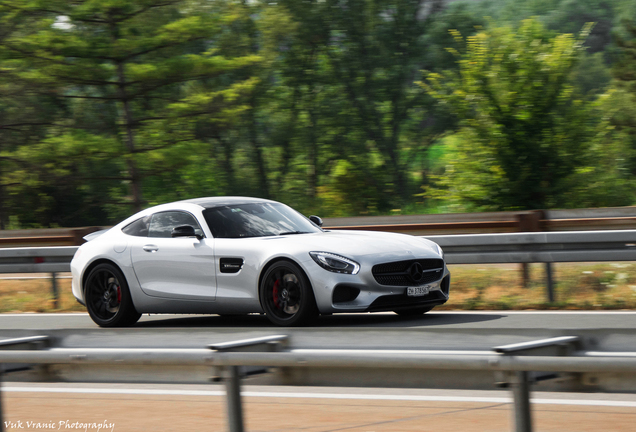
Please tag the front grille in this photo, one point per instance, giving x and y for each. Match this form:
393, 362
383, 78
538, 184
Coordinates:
396, 301
409, 272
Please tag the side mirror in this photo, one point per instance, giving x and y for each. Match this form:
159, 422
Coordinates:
184, 231
316, 220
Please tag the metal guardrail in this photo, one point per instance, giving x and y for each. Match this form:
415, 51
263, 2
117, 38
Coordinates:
45, 237
494, 222
330, 358
610, 218
540, 247
514, 361
497, 226
36, 259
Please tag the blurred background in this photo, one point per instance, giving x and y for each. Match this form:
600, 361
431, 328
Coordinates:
336, 107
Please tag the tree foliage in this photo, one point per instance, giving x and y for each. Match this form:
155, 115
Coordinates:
624, 119
524, 131
109, 106
119, 70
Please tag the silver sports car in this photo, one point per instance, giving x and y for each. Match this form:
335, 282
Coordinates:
235, 255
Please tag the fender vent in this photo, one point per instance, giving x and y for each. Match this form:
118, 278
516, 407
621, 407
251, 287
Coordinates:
231, 265
344, 294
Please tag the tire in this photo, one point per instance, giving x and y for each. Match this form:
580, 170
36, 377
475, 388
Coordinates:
414, 311
286, 295
108, 298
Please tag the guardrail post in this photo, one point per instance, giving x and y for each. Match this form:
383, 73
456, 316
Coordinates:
528, 222
521, 397
54, 291
37, 341
1, 416
234, 403
232, 374
549, 282
520, 380
525, 275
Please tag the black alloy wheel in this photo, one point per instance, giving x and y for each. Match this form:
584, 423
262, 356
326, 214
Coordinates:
108, 298
287, 296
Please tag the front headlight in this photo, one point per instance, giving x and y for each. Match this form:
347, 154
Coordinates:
335, 263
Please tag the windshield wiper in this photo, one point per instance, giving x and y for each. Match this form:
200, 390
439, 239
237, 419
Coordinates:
293, 232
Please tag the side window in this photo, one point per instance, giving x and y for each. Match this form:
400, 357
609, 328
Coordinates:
138, 228
162, 224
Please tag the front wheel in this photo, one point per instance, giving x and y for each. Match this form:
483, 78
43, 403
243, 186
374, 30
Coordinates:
414, 311
108, 298
287, 296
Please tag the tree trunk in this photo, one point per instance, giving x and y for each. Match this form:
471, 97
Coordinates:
129, 139
286, 142
2, 209
393, 150
263, 185
312, 174
228, 166
135, 178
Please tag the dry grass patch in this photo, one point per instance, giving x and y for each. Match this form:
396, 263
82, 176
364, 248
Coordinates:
34, 295
577, 286
473, 287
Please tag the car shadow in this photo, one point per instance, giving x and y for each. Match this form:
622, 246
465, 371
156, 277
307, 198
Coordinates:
364, 320
392, 320
252, 320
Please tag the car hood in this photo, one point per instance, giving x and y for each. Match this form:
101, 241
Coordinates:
361, 243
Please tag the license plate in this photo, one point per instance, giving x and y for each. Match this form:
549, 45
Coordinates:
417, 291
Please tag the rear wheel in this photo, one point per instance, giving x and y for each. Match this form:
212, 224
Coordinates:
108, 298
414, 311
287, 296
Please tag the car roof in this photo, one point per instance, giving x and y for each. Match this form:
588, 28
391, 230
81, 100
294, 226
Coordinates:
210, 202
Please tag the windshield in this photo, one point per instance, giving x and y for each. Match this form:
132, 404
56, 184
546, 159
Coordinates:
256, 220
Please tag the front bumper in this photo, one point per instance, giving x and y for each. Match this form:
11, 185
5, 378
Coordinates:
336, 293
402, 301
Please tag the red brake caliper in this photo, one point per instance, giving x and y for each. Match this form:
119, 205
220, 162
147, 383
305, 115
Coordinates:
118, 294
275, 293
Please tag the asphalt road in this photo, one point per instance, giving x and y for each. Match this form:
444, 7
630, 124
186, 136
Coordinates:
432, 320
435, 330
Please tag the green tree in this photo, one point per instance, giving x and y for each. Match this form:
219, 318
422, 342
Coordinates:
608, 179
299, 139
376, 51
524, 133
121, 70
624, 72
24, 119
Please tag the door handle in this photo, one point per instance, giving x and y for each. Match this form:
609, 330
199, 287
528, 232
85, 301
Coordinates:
151, 248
